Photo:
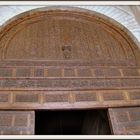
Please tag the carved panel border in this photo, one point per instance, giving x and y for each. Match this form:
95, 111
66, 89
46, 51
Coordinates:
68, 99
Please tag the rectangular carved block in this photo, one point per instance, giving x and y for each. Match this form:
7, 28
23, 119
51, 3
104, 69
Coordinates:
112, 72
125, 121
130, 127
43, 83
130, 72
26, 98
5, 120
5, 72
97, 83
112, 83
22, 72
61, 83
134, 115
8, 83
39, 72
122, 117
54, 72
56, 98
113, 96
21, 120
134, 95
4, 97
99, 73
17, 122
130, 83
69, 72
80, 97
84, 72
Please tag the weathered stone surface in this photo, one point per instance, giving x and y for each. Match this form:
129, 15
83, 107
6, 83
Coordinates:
125, 121
17, 122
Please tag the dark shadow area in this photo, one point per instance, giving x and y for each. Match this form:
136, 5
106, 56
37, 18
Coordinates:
72, 122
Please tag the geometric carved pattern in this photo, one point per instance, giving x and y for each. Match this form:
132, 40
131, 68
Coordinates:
125, 121
17, 122
65, 70
48, 86
65, 35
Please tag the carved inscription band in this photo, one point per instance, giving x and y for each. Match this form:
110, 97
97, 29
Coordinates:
69, 84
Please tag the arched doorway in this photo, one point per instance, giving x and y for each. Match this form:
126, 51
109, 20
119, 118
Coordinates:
67, 58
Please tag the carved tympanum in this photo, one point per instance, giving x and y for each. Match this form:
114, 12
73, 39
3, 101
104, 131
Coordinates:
45, 35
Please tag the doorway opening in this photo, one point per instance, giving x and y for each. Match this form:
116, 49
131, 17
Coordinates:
72, 122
